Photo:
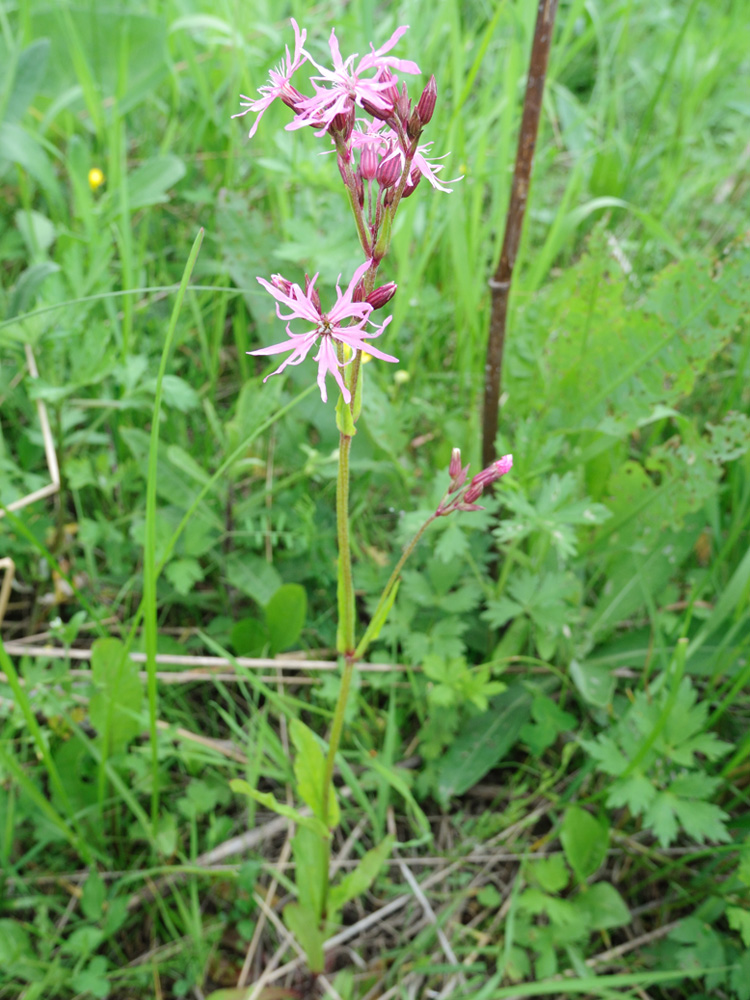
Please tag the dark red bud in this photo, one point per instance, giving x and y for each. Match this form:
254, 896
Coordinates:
411, 184
389, 170
414, 126
427, 101
343, 123
382, 114
380, 296
368, 161
291, 96
403, 104
360, 187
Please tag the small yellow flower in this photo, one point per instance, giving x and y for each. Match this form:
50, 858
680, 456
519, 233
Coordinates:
96, 178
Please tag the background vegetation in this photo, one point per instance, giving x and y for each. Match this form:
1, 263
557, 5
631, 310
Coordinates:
562, 751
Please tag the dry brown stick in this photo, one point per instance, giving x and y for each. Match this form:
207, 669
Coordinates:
500, 283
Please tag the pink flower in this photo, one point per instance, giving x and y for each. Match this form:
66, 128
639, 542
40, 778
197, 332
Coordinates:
344, 84
421, 165
305, 305
279, 85
489, 475
385, 141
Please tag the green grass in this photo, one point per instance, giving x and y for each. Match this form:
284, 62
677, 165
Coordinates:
191, 492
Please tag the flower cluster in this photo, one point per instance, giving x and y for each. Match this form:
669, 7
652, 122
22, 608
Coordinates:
454, 499
381, 161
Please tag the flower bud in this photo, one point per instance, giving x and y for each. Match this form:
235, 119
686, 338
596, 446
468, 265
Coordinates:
368, 162
291, 96
487, 476
412, 183
281, 283
403, 105
360, 187
414, 125
427, 102
457, 472
382, 114
380, 296
343, 123
314, 298
389, 170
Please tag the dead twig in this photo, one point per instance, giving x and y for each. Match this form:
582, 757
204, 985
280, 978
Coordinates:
501, 282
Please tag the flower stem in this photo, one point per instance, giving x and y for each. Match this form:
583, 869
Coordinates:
345, 636
362, 647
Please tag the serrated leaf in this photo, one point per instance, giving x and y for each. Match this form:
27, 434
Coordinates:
271, 802
550, 874
114, 709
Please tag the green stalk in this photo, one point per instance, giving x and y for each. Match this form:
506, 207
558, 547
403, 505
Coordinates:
345, 636
150, 571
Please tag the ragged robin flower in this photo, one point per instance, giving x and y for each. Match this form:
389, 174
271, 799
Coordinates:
327, 328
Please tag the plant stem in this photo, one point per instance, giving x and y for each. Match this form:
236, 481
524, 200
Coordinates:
345, 637
361, 648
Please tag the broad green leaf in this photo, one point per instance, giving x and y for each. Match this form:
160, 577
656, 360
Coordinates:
27, 287
271, 802
358, 881
585, 841
595, 684
249, 637
28, 76
38, 231
21, 147
254, 577
483, 744
285, 616
149, 183
114, 709
303, 925
602, 907
309, 770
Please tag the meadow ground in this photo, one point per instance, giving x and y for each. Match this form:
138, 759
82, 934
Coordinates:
553, 720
